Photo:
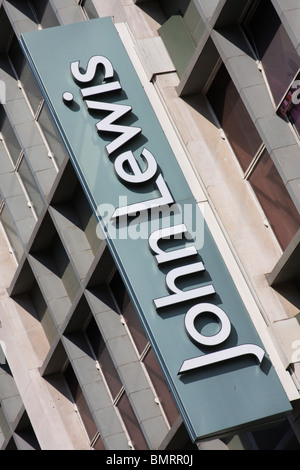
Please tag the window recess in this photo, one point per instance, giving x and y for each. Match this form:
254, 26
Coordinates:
274, 49
255, 162
114, 384
88, 9
144, 350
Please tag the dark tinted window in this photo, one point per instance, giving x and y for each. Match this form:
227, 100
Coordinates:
275, 200
274, 48
129, 313
81, 403
103, 357
234, 118
131, 423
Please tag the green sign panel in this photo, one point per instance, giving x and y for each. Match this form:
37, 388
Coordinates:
214, 361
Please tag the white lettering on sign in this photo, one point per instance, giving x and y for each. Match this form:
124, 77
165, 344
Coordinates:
162, 256
164, 200
136, 175
129, 171
220, 356
107, 124
179, 295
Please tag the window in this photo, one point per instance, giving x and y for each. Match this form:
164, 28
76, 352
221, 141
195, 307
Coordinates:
273, 47
278, 56
44, 13
51, 134
14, 153
160, 386
104, 359
24, 74
9, 137
275, 199
83, 409
36, 101
115, 385
254, 159
129, 313
294, 117
131, 423
234, 118
88, 8
290, 106
64, 267
147, 355
278, 437
11, 233
30, 186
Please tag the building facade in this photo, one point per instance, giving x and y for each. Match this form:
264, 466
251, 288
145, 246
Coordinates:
79, 366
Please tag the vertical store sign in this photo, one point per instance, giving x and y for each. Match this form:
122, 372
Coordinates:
213, 359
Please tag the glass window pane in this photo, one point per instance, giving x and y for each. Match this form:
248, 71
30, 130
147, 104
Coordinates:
278, 437
98, 445
9, 136
134, 324
45, 13
161, 387
52, 136
274, 48
129, 313
294, 115
90, 9
64, 267
31, 88
25, 75
11, 233
80, 402
275, 200
30, 186
43, 313
105, 361
234, 118
131, 423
